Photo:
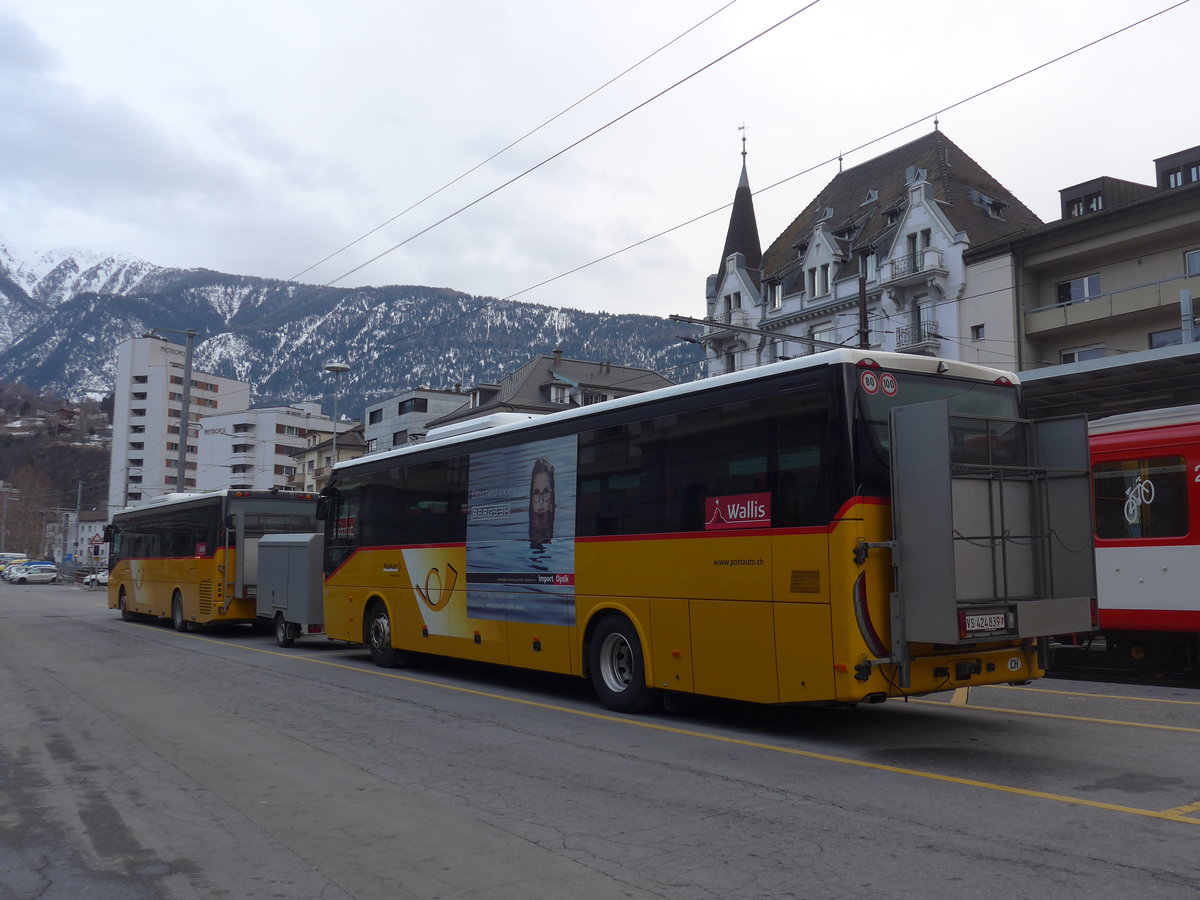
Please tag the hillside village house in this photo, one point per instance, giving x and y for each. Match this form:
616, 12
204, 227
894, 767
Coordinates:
952, 264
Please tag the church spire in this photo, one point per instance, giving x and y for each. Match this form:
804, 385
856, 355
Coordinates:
742, 236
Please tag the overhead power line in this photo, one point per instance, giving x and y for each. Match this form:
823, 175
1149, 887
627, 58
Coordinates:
782, 181
509, 146
574, 144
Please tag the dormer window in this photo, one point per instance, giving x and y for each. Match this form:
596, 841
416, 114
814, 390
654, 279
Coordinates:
892, 216
990, 205
872, 196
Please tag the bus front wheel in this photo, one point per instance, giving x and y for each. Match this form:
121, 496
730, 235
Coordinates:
379, 637
178, 622
617, 667
126, 615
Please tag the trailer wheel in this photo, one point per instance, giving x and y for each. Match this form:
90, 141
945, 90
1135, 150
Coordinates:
379, 637
178, 622
283, 632
617, 668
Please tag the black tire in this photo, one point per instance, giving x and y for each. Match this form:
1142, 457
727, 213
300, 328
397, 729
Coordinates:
617, 667
22, 580
379, 637
126, 615
283, 632
178, 622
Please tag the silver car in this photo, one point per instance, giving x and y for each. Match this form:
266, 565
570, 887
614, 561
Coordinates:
35, 574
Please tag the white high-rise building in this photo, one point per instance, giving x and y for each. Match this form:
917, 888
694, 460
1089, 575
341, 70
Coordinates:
252, 449
147, 405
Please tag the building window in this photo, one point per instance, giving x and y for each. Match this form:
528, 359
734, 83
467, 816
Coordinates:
289, 471
240, 470
400, 438
137, 445
139, 395
1168, 338
243, 427
312, 465
137, 429
824, 284
559, 394
243, 448
977, 332
812, 282
1079, 354
413, 405
926, 238
1175, 178
1191, 262
137, 462
374, 417
372, 444
1078, 290
141, 379
594, 397
137, 412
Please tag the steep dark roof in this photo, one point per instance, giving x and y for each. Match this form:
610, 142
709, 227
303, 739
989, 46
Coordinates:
742, 236
524, 390
958, 182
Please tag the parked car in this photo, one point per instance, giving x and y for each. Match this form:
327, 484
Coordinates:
10, 566
96, 579
35, 573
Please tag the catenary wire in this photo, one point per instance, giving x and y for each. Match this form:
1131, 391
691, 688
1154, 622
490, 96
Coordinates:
514, 143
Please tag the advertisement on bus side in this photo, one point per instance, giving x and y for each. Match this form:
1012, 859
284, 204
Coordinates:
521, 533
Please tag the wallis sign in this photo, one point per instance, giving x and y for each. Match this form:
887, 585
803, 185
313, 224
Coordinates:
738, 511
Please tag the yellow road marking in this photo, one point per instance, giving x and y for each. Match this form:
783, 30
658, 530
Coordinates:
1185, 810
1169, 815
1013, 687
1046, 715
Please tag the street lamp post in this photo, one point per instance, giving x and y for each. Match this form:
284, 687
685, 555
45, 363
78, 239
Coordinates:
337, 368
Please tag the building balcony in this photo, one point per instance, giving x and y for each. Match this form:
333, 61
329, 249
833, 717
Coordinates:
922, 338
913, 269
717, 325
1140, 299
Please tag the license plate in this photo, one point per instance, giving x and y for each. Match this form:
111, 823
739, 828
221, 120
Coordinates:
987, 622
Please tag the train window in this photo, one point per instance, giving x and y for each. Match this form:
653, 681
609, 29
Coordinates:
1141, 498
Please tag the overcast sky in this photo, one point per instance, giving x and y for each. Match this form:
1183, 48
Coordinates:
259, 137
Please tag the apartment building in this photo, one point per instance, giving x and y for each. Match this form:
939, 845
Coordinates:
1101, 301
885, 238
254, 449
147, 410
404, 418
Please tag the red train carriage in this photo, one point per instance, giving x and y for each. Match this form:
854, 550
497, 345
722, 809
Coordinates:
1146, 477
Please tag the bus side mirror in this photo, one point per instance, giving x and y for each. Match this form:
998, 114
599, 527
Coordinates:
108, 534
322, 508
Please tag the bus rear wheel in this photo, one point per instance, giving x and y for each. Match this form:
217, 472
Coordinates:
617, 667
178, 622
379, 637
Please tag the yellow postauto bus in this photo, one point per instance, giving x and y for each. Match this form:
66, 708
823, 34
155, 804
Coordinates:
193, 557
733, 537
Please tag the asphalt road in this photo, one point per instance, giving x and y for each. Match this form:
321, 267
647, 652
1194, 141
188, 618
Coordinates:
137, 762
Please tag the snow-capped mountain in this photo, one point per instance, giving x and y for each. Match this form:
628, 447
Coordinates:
63, 313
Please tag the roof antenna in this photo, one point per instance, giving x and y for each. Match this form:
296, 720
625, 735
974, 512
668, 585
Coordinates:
839, 161
742, 129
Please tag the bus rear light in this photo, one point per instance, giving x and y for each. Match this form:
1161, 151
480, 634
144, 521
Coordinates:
1003, 381
863, 615
1095, 614
867, 363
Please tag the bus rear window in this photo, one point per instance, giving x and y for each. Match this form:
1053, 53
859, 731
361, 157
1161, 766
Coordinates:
880, 392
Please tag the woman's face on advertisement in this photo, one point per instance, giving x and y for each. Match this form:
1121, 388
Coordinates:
541, 493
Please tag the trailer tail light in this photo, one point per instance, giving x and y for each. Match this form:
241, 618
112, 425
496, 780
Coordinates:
863, 615
1095, 614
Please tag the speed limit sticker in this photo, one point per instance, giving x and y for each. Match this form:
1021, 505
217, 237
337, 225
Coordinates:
870, 382
888, 384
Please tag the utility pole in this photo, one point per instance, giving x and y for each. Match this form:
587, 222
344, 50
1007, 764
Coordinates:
864, 334
185, 413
